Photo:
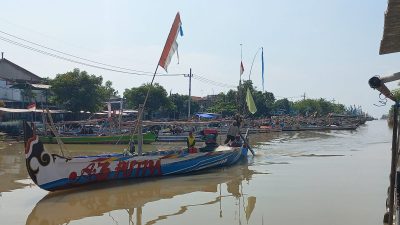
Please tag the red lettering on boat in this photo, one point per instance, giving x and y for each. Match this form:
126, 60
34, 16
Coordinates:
89, 170
132, 165
122, 166
104, 170
140, 165
154, 167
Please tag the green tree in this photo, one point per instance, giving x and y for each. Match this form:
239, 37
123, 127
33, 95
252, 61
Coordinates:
283, 105
109, 90
320, 106
224, 104
157, 101
180, 106
78, 91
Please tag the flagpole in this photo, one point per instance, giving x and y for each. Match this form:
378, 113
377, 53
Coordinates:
138, 126
171, 40
251, 67
241, 61
240, 80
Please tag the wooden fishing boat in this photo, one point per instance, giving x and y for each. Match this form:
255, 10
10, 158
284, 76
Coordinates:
54, 172
148, 137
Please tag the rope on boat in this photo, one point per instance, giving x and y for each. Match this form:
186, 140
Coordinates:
55, 132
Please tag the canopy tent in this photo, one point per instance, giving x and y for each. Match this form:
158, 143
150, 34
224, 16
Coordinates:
207, 115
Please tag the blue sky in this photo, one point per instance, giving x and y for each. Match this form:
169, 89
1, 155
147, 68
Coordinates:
325, 49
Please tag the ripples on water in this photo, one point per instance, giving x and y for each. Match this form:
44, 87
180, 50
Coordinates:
296, 177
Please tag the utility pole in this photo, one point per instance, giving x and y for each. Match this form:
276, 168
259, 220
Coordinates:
304, 96
190, 91
139, 126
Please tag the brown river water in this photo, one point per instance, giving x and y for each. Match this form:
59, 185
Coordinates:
306, 178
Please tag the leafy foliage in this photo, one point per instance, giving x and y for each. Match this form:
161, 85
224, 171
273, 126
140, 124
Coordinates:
79, 91
317, 106
180, 106
224, 104
157, 101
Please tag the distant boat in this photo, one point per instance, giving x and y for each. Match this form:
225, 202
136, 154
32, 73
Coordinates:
148, 137
320, 128
54, 172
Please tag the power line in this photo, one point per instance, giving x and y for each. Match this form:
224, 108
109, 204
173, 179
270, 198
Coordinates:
80, 62
212, 82
67, 54
100, 65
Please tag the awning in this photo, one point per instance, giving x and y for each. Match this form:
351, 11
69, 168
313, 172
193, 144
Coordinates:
31, 86
11, 110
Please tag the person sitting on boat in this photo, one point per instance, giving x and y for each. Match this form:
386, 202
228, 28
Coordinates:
237, 142
233, 131
191, 141
210, 139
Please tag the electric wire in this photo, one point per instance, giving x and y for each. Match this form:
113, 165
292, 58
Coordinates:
67, 54
212, 82
100, 65
78, 62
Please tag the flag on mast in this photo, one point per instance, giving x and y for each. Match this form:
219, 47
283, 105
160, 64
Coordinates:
241, 68
31, 106
250, 102
171, 46
262, 67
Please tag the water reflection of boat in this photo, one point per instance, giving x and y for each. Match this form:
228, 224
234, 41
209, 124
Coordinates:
64, 207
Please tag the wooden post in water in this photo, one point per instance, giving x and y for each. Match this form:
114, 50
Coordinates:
393, 163
139, 126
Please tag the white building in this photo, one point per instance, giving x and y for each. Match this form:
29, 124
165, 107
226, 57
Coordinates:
18, 85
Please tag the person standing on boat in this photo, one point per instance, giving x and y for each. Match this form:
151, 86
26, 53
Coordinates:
237, 142
238, 118
191, 141
233, 131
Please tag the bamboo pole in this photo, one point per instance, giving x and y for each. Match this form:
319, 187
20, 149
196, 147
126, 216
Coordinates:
393, 163
55, 132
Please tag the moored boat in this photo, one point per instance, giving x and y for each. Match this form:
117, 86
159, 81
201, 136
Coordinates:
319, 128
54, 172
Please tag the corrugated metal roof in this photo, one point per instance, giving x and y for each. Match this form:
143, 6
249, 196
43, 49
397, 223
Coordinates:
391, 34
13, 72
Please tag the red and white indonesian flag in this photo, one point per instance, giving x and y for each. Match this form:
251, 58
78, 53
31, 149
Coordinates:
31, 106
171, 46
241, 68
